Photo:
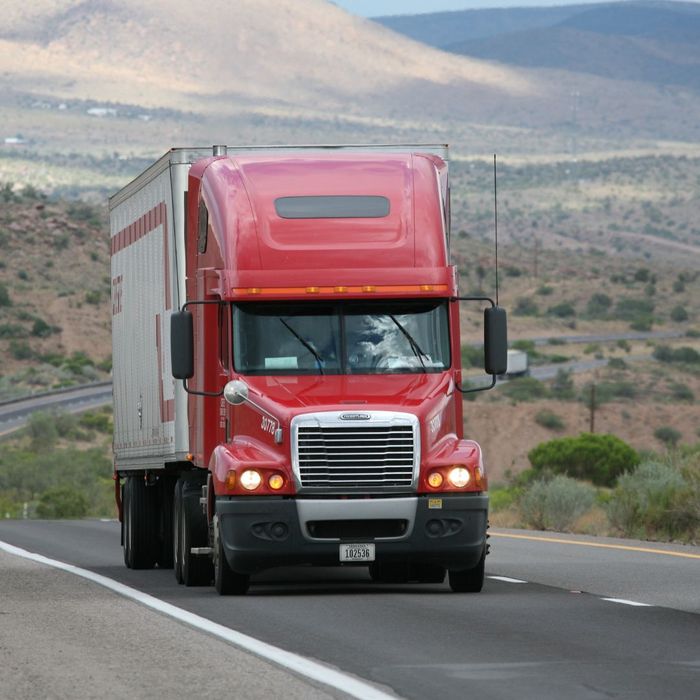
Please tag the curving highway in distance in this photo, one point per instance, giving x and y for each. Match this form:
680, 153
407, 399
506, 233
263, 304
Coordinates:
560, 616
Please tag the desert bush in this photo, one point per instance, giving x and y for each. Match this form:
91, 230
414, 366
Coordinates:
525, 306
609, 391
5, 299
679, 314
668, 435
665, 353
545, 290
682, 392
524, 389
556, 503
563, 310
41, 329
93, 297
591, 457
563, 386
549, 419
94, 420
471, 356
20, 350
598, 305
41, 428
617, 363
647, 502
62, 502
13, 330
630, 309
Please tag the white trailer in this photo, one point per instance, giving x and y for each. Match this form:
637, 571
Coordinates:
517, 363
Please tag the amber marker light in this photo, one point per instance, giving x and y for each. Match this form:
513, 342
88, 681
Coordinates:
369, 288
230, 480
435, 480
312, 290
458, 476
426, 287
275, 482
341, 290
250, 479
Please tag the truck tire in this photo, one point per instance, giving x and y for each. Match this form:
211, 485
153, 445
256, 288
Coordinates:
177, 530
197, 569
468, 580
226, 580
140, 534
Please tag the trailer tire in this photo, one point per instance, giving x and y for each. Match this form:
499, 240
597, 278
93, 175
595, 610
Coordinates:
140, 535
226, 580
197, 569
468, 580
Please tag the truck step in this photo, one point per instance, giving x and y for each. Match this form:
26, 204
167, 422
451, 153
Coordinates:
201, 550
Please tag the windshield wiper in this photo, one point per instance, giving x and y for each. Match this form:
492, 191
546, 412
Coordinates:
412, 342
306, 344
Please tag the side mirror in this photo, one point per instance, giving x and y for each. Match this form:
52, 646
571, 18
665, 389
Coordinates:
495, 340
236, 392
182, 345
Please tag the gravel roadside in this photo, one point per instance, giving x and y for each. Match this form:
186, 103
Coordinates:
64, 637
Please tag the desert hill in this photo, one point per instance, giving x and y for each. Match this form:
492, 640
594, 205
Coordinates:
647, 42
128, 79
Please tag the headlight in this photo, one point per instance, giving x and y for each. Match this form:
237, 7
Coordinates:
458, 477
250, 479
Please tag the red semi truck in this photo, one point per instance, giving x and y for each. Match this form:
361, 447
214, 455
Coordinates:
287, 378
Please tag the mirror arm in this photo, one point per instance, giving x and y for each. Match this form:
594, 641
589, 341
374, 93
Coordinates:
489, 299
184, 381
478, 388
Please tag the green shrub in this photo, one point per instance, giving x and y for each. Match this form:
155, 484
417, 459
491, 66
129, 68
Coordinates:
598, 305
502, 498
5, 299
102, 422
549, 419
624, 345
665, 353
41, 329
556, 503
642, 503
642, 275
471, 356
93, 297
41, 427
524, 389
12, 330
525, 306
617, 363
630, 309
668, 435
609, 391
597, 458
563, 386
682, 392
20, 350
524, 345
563, 310
545, 290
679, 314
62, 502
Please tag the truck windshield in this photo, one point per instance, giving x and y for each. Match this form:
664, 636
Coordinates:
382, 337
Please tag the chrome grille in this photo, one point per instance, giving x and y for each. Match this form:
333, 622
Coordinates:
356, 456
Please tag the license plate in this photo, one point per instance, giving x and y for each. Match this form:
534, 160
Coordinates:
356, 552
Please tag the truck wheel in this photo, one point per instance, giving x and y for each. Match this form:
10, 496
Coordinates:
226, 580
177, 530
139, 524
468, 580
197, 569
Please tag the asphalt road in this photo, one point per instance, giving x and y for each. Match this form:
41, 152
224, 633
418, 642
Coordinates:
14, 413
541, 628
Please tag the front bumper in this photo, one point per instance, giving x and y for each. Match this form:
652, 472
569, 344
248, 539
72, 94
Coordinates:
262, 533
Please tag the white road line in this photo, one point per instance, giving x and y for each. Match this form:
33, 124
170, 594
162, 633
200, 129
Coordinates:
308, 668
623, 601
507, 579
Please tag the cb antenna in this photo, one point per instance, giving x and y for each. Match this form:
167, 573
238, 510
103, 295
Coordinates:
495, 219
